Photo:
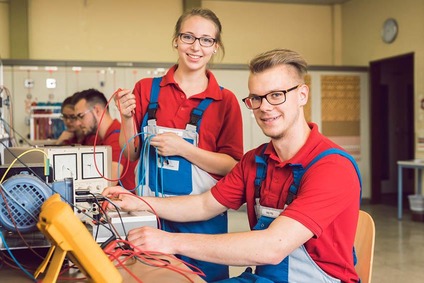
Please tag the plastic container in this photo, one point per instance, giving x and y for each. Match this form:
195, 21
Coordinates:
416, 203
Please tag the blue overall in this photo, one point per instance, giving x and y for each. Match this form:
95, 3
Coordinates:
174, 175
297, 267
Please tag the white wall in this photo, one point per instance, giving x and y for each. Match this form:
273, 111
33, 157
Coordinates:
128, 30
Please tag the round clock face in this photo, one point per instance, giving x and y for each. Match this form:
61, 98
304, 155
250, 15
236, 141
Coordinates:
389, 31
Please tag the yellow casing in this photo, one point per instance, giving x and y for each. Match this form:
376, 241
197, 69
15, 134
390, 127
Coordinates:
70, 237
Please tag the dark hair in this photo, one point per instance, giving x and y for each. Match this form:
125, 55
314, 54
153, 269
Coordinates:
275, 57
206, 14
67, 102
92, 96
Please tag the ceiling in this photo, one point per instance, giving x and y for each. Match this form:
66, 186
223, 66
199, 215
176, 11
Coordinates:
312, 2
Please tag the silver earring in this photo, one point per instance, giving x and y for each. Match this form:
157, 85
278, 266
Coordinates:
214, 51
175, 45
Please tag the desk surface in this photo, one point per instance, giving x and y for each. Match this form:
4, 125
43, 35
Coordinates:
145, 273
418, 166
412, 162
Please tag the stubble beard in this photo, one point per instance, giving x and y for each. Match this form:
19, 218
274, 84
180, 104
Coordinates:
92, 130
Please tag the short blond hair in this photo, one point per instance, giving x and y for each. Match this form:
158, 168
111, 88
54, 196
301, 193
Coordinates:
276, 57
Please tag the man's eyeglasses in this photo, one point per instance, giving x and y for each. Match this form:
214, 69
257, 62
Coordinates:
190, 39
274, 98
80, 116
68, 117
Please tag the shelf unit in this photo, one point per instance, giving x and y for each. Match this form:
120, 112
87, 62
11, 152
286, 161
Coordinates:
45, 122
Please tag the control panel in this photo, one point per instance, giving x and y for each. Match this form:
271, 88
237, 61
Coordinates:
86, 165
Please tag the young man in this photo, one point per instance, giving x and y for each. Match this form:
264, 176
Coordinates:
309, 239
93, 117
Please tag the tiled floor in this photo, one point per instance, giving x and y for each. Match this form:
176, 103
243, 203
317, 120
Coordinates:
399, 245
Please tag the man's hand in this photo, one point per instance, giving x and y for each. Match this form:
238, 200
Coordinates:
122, 198
151, 239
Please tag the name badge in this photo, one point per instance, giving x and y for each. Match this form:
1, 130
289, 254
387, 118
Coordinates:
169, 164
270, 212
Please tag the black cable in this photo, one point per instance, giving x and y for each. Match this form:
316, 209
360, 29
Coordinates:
16, 132
107, 242
98, 222
117, 210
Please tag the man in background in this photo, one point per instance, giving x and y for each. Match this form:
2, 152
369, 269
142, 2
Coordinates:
92, 115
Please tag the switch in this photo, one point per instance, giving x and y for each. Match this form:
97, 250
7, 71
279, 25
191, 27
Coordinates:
29, 83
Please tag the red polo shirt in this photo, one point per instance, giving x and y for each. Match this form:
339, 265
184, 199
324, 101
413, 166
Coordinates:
221, 127
327, 202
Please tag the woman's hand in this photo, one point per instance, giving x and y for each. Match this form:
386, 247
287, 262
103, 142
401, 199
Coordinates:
169, 144
125, 102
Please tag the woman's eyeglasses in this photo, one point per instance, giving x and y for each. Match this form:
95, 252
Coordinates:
190, 39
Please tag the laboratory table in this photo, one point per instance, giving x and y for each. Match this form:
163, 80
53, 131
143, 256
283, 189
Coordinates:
417, 165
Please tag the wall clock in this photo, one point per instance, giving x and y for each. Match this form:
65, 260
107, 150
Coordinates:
390, 30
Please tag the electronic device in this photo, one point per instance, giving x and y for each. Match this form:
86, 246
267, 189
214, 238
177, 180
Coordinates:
85, 165
122, 223
24, 195
70, 238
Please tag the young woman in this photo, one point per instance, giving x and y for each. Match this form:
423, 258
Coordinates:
192, 126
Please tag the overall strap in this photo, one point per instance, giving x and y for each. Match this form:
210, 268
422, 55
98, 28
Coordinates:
153, 105
197, 113
298, 171
261, 166
342, 153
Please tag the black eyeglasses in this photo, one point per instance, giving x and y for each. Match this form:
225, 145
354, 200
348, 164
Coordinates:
274, 98
80, 116
68, 117
190, 39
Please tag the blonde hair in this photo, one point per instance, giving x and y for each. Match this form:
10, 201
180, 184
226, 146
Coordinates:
275, 57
